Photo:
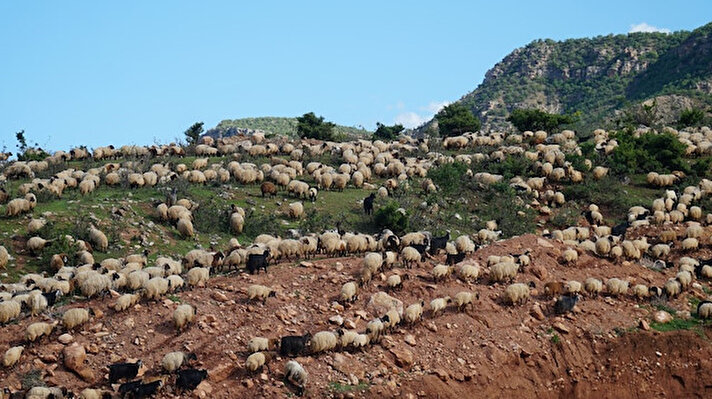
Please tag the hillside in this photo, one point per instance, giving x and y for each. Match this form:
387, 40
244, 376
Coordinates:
275, 125
599, 77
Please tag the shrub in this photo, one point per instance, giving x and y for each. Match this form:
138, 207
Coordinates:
649, 151
391, 217
212, 217
309, 126
691, 117
456, 119
534, 119
448, 177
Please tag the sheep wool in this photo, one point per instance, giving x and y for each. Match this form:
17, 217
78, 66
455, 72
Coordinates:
348, 292
12, 356
323, 341
126, 301
174, 360
38, 330
260, 292
9, 310
464, 298
438, 305
593, 286
516, 293
74, 317
255, 361
4, 257
414, 312
98, 238
198, 276
183, 315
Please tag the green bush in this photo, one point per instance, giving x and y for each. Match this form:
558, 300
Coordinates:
648, 152
534, 119
456, 119
448, 177
391, 217
691, 117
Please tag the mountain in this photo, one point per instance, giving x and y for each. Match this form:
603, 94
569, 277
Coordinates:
600, 77
274, 125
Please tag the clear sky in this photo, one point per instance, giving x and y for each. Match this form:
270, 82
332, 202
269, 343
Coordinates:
135, 72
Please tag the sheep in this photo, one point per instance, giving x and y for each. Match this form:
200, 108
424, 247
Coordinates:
295, 374
323, 341
126, 301
257, 360
198, 276
689, 244
672, 288
185, 227
155, 288
414, 312
464, 298
183, 315
704, 310
256, 261
38, 330
684, 278
9, 310
469, 272
94, 284
569, 255
175, 360
262, 344
599, 172
441, 272
603, 246
438, 305
47, 393
137, 279
119, 371
640, 291
410, 255
4, 257
261, 292
74, 317
705, 271
694, 231
98, 239
313, 192
393, 319
89, 393
572, 287
516, 293
660, 250
36, 244
294, 345
175, 283
349, 292
503, 271
593, 286
464, 244
375, 327
616, 286
12, 356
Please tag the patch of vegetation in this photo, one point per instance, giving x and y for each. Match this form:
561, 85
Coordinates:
647, 152
391, 216
309, 126
448, 177
388, 133
31, 379
565, 217
555, 339
534, 119
456, 119
345, 388
277, 126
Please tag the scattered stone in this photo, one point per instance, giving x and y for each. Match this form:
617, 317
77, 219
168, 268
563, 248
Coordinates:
349, 324
203, 390
338, 320
432, 327
220, 372
74, 358
537, 313
381, 303
409, 339
644, 325
219, 296
442, 374
561, 328
306, 264
662, 317
403, 358
65, 338
544, 243
539, 271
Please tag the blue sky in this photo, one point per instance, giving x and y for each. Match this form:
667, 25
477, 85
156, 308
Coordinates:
135, 72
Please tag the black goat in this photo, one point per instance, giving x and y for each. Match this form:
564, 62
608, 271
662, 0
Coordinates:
368, 204
120, 371
293, 345
128, 387
189, 379
565, 304
146, 390
452, 259
620, 229
255, 262
52, 297
438, 243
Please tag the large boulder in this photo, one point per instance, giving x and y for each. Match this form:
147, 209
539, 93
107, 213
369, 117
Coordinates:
381, 303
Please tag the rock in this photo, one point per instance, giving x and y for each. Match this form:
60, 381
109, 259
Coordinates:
339, 266
539, 271
442, 374
248, 383
65, 338
560, 328
98, 313
409, 339
362, 314
338, 320
219, 296
349, 324
340, 363
264, 377
403, 357
220, 372
74, 358
537, 313
662, 317
544, 243
381, 303
432, 327
643, 325
306, 264
203, 390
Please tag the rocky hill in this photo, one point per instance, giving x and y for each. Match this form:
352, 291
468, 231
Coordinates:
599, 77
275, 125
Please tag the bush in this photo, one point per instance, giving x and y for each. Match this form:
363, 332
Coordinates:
500, 202
456, 119
309, 126
391, 217
648, 152
534, 119
212, 217
691, 117
448, 177
388, 133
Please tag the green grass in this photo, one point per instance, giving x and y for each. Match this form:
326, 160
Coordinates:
555, 339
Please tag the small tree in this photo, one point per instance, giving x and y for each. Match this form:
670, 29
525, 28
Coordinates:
384, 132
456, 119
21, 142
534, 119
309, 126
691, 117
392, 217
192, 135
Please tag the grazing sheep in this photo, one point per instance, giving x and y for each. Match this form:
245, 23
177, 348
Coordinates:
12, 356
516, 294
554, 288
98, 239
120, 371
438, 305
704, 310
395, 281
257, 360
295, 374
414, 312
641, 291
375, 327
294, 345
593, 286
185, 227
410, 255
296, 210
38, 330
684, 278
9, 310
183, 315
260, 292
126, 301
616, 286
441, 272
268, 188
323, 341
464, 298
74, 317
258, 344
464, 244
198, 276
569, 255
4, 257
503, 271
572, 287
469, 272
660, 250
689, 244
565, 304
672, 288
349, 292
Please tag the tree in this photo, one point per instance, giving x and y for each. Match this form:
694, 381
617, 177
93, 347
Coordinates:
456, 119
384, 132
21, 142
691, 117
192, 135
309, 126
534, 119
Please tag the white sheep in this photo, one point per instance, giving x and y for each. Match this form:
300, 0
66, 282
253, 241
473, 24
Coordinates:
516, 293
469, 272
12, 356
593, 286
74, 317
409, 256
616, 286
503, 271
125, 301
438, 305
257, 360
641, 291
572, 287
174, 360
414, 312
183, 315
198, 276
260, 292
323, 341
464, 298
441, 272
258, 344
9, 310
155, 288
38, 330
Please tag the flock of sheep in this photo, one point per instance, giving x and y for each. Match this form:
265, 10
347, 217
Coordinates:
378, 166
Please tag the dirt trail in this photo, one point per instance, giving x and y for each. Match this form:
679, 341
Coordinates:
491, 350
